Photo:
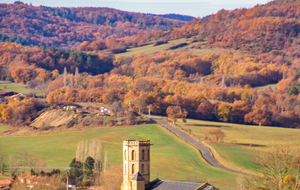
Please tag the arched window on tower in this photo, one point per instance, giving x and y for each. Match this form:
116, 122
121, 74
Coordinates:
142, 169
132, 155
143, 154
125, 155
132, 169
148, 154
125, 168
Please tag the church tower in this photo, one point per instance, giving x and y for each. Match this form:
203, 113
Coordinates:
136, 164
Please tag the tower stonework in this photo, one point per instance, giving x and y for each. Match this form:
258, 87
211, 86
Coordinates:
136, 164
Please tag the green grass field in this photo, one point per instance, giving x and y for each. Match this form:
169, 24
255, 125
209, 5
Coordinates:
268, 86
16, 87
245, 135
190, 48
242, 157
171, 158
243, 142
4, 128
152, 49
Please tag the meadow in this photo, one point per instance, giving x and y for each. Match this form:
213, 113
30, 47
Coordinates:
171, 158
4, 127
190, 48
16, 87
242, 143
268, 86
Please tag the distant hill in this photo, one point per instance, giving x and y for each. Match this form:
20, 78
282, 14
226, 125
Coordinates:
273, 27
176, 16
66, 28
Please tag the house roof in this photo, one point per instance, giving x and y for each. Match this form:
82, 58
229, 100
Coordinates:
6, 93
178, 185
4, 183
138, 177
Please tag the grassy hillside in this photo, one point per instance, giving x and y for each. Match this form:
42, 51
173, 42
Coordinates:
16, 87
243, 135
4, 128
191, 47
171, 158
243, 143
269, 86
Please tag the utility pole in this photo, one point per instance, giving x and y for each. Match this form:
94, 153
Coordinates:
67, 169
149, 111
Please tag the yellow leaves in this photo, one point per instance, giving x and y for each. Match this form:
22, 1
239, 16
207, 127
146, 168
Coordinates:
6, 114
214, 134
224, 112
2, 108
55, 73
130, 96
42, 75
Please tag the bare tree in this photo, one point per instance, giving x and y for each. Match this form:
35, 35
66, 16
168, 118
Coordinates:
93, 149
76, 77
112, 178
139, 103
118, 109
13, 165
40, 166
71, 81
65, 77
2, 162
279, 168
25, 160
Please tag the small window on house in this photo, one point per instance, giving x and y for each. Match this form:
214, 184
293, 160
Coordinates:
132, 169
133, 155
142, 168
143, 154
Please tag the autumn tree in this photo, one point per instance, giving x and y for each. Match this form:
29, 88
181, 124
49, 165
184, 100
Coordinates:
214, 134
259, 117
240, 109
42, 76
175, 112
224, 112
22, 74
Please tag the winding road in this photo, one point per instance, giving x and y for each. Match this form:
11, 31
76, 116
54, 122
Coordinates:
205, 152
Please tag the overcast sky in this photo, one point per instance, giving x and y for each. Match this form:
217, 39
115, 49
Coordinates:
196, 8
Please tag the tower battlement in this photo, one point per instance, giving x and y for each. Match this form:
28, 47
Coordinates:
136, 162
136, 142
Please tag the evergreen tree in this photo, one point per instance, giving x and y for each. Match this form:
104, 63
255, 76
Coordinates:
89, 168
76, 171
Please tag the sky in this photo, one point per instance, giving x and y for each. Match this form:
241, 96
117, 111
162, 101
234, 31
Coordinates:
196, 8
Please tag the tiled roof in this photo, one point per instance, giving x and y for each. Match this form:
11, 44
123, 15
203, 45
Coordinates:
138, 177
4, 93
4, 183
178, 185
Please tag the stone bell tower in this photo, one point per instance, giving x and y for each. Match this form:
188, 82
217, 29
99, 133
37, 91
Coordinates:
136, 164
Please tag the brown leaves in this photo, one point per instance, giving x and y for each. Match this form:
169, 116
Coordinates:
214, 134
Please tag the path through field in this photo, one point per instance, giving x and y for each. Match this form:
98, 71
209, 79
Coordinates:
205, 152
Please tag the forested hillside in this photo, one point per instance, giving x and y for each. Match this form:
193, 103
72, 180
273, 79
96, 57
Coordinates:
262, 46
273, 27
66, 28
